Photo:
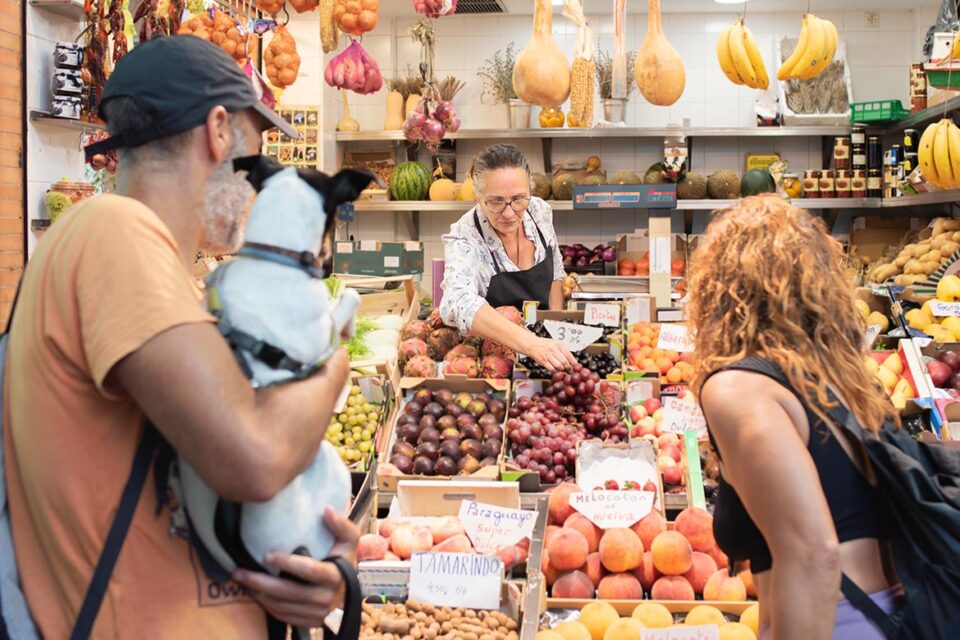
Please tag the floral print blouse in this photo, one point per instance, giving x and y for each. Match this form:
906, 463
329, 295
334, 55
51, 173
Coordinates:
468, 265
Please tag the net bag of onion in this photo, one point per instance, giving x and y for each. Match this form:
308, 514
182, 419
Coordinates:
281, 60
220, 29
353, 69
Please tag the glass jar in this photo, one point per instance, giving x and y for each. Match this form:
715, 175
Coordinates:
858, 184
841, 153
827, 184
551, 118
63, 195
792, 185
874, 183
843, 184
811, 184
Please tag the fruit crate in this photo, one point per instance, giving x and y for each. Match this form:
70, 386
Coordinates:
877, 111
377, 389
389, 476
522, 372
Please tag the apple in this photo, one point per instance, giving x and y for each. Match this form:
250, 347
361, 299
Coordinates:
637, 413
647, 426
951, 359
651, 405
671, 450
667, 439
939, 372
669, 469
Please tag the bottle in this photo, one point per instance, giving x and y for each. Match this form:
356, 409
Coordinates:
841, 153
874, 153
858, 157
874, 183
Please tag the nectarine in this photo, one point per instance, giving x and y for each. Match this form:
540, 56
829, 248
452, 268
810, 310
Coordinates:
568, 550
672, 588
697, 526
646, 573
559, 502
620, 550
724, 587
703, 567
594, 569
672, 554
649, 527
589, 530
573, 584
620, 586
372, 546
406, 539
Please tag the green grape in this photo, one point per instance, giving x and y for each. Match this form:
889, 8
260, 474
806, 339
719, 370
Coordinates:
355, 390
366, 435
366, 446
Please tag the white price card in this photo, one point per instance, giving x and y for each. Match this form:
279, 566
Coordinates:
674, 337
611, 509
870, 335
575, 336
638, 391
491, 528
607, 315
660, 255
922, 342
699, 632
637, 310
456, 580
680, 416
942, 309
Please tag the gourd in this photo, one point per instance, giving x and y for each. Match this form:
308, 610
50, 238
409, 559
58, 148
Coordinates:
347, 123
541, 75
413, 101
658, 70
395, 115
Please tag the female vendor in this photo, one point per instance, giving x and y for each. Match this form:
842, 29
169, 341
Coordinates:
503, 252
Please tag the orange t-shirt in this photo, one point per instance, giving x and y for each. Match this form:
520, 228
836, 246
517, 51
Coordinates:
107, 278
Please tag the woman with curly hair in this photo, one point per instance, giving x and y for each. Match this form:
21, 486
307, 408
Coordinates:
780, 365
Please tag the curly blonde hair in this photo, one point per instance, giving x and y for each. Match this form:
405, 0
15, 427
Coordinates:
768, 280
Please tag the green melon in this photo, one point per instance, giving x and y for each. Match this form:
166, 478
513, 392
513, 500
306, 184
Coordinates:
654, 175
757, 181
563, 187
593, 180
410, 181
692, 187
626, 177
723, 185
540, 186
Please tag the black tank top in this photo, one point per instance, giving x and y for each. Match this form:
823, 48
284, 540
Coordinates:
853, 502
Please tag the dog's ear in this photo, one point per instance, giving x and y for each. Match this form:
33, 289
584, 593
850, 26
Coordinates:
259, 168
346, 185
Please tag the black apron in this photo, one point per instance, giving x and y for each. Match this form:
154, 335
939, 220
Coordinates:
513, 288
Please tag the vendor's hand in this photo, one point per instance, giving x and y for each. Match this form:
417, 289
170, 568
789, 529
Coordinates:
551, 354
304, 605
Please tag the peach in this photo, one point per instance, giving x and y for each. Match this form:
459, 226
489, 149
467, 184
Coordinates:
595, 569
589, 530
512, 556
696, 525
646, 573
672, 554
652, 524
406, 539
624, 629
387, 526
372, 546
747, 576
704, 614
672, 588
620, 586
572, 631
551, 531
724, 587
751, 618
459, 543
573, 584
703, 567
559, 503
653, 615
568, 550
597, 617
719, 557
620, 550
736, 631
550, 574
445, 528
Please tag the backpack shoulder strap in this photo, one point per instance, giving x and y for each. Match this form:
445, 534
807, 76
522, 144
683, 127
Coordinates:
117, 534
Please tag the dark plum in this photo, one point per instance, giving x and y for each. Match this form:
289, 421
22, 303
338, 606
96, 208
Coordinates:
453, 409
497, 407
446, 422
493, 432
450, 449
413, 408
408, 433
422, 465
471, 448
463, 399
451, 433
488, 418
433, 409
477, 408
490, 448
403, 448
471, 432
429, 449
445, 466
488, 462
428, 422
406, 419
404, 464
466, 420
443, 396
468, 465
429, 435
423, 397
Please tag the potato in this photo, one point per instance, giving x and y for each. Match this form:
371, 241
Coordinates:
914, 266
931, 256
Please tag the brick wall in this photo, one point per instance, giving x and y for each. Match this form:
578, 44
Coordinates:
11, 144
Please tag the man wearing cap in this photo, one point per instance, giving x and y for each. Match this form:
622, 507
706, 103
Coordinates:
109, 330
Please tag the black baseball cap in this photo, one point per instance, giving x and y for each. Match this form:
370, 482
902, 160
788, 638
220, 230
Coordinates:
179, 79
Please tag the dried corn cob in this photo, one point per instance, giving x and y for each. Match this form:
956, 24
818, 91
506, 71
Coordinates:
581, 94
329, 34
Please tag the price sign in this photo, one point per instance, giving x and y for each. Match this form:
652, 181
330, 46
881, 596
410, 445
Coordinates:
456, 580
660, 255
674, 337
680, 416
870, 336
638, 391
607, 315
700, 632
942, 309
638, 310
609, 509
575, 336
922, 342
491, 528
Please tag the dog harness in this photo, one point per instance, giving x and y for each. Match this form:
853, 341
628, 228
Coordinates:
242, 342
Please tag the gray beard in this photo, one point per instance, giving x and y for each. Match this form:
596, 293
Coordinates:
227, 204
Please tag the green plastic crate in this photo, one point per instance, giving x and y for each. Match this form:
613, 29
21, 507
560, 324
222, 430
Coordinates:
877, 111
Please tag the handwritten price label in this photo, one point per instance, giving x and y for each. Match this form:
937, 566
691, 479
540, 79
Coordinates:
607, 315
680, 416
943, 309
870, 335
610, 509
491, 528
701, 632
456, 580
674, 337
575, 336
660, 255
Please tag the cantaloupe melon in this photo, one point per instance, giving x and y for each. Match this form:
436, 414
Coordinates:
466, 191
692, 187
443, 189
723, 185
540, 186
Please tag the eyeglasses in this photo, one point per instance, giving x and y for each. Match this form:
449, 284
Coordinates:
518, 204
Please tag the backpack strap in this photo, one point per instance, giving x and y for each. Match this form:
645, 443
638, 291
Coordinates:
865, 605
117, 534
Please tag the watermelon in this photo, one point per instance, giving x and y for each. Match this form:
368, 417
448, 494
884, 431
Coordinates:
757, 181
410, 181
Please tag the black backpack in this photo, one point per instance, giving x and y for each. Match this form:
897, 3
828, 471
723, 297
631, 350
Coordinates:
919, 484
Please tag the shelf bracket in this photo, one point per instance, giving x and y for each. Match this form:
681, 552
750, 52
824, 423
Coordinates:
411, 220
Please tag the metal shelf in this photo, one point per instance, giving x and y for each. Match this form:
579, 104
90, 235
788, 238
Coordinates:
921, 199
611, 132
72, 9
38, 116
926, 115
566, 205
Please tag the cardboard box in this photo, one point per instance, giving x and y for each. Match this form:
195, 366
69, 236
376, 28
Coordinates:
873, 236
395, 295
379, 390
376, 258
388, 476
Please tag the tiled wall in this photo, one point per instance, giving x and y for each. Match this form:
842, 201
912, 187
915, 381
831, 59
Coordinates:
879, 58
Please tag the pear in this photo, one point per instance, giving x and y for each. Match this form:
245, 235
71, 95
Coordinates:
877, 318
899, 402
952, 324
894, 364
948, 289
872, 365
940, 333
862, 307
919, 319
903, 388
887, 378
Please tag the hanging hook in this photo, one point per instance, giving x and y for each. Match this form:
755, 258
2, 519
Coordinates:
285, 15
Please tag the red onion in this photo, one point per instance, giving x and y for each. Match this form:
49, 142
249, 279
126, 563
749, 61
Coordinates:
434, 131
435, 8
453, 124
610, 254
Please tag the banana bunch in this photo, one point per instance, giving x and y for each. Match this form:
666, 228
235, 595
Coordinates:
814, 51
939, 154
740, 58
955, 49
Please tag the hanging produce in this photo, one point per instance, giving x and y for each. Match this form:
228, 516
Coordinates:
354, 70
220, 29
347, 123
582, 73
303, 6
541, 75
814, 52
280, 59
329, 32
740, 58
939, 154
355, 17
430, 121
158, 19
269, 7
619, 86
659, 70
435, 8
